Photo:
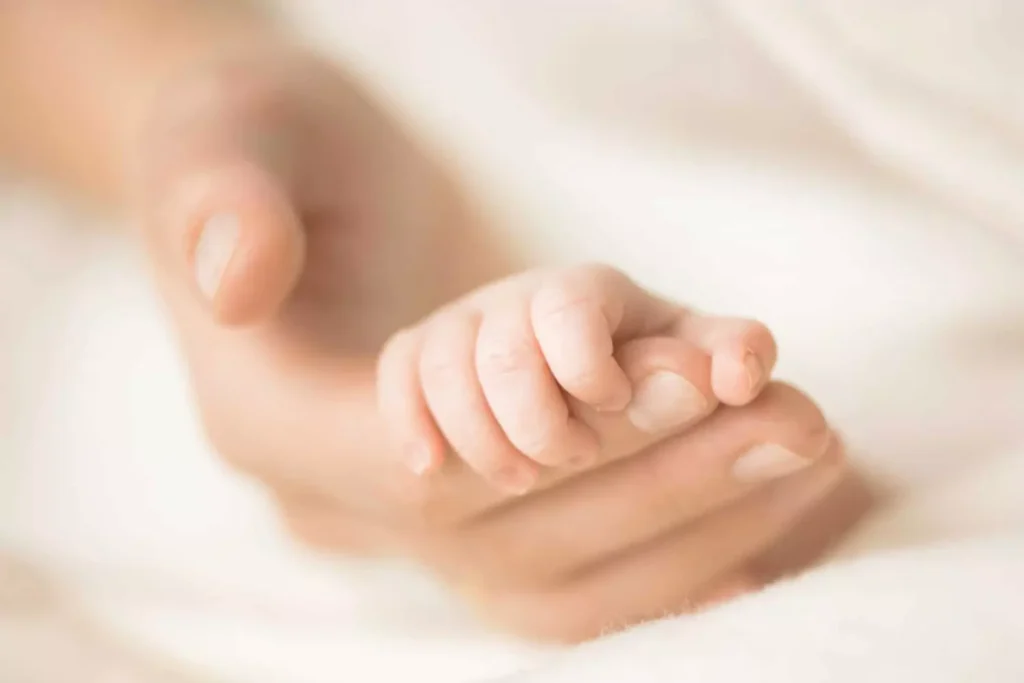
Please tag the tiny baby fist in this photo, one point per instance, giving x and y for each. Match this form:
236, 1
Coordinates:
492, 375
523, 394
572, 315
430, 393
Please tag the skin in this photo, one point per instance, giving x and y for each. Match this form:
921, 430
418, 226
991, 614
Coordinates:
527, 371
189, 115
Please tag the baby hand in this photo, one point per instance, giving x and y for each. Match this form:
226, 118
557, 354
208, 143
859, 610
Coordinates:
535, 370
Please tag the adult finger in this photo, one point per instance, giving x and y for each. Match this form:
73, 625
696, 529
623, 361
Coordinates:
218, 194
666, 576
632, 501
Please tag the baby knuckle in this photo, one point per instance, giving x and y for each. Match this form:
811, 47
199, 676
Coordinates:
439, 359
480, 442
556, 303
437, 367
502, 359
582, 379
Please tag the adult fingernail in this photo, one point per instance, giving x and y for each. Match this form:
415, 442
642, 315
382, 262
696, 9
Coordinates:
214, 250
767, 461
665, 400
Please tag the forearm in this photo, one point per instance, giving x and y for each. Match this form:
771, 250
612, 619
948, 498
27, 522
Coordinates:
77, 79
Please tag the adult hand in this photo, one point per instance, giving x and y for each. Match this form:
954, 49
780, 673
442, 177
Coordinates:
292, 227
660, 528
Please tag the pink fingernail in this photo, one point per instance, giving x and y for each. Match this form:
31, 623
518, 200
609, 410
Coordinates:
755, 371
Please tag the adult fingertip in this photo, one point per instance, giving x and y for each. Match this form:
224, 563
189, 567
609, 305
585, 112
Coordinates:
249, 249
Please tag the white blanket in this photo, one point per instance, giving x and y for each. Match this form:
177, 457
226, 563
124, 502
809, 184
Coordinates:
848, 178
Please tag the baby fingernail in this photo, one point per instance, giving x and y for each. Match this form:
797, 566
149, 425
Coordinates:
767, 461
755, 371
214, 249
665, 400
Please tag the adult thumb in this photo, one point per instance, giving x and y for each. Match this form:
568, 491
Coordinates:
244, 243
